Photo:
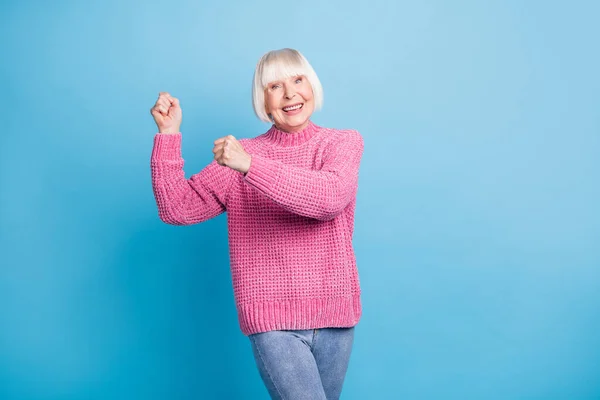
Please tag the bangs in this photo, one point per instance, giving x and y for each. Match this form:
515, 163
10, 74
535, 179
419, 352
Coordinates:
279, 66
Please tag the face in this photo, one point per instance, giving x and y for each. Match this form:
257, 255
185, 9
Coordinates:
291, 102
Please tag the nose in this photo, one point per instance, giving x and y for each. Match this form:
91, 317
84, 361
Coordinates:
289, 93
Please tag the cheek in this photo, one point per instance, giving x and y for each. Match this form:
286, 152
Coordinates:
307, 92
270, 101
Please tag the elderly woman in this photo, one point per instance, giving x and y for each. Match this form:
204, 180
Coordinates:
290, 196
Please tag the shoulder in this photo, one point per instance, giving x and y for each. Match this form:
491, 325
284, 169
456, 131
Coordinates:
335, 135
250, 141
341, 142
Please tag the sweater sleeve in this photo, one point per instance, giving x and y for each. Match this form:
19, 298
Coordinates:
184, 201
320, 194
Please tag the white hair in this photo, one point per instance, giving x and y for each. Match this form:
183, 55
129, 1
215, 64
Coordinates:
277, 65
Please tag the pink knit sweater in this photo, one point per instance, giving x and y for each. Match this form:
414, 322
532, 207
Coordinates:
290, 223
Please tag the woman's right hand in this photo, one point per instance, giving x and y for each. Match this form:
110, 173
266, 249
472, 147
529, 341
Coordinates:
167, 113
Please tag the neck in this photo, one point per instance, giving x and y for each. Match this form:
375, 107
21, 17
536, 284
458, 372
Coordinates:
294, 128
282, 138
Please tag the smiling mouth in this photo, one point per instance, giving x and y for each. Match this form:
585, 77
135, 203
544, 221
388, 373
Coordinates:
293, 107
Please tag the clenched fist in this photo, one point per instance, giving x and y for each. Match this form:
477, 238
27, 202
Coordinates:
229, 152
167, 113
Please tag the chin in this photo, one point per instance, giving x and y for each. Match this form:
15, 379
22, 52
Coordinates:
298, 119
298, 122
296, 125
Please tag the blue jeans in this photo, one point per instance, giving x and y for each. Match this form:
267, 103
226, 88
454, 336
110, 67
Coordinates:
303, 364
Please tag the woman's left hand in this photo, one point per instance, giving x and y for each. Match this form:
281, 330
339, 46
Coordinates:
230, 153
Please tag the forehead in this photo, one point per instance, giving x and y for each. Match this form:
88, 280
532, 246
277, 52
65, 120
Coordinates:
279, 70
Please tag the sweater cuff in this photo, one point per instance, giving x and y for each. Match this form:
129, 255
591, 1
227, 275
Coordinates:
262, 174
167, 146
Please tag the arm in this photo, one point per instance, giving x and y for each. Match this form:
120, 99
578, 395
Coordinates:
321, 194
181, 201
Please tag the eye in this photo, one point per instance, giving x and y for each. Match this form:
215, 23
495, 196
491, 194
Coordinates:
298, 80
275, 86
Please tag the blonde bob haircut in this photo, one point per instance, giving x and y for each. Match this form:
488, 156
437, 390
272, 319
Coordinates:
277, 65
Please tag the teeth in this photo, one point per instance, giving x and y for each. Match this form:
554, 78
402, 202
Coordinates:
292, 108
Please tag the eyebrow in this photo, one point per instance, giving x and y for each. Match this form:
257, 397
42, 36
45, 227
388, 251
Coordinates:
281, 80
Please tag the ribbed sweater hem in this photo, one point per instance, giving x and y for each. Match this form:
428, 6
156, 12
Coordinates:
264, 316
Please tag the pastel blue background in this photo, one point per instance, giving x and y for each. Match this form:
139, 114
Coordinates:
477, 225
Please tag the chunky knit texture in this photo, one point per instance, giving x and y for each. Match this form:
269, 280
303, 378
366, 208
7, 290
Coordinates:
290, 223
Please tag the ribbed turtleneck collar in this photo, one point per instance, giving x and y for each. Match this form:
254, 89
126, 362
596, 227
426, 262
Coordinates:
281, 138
